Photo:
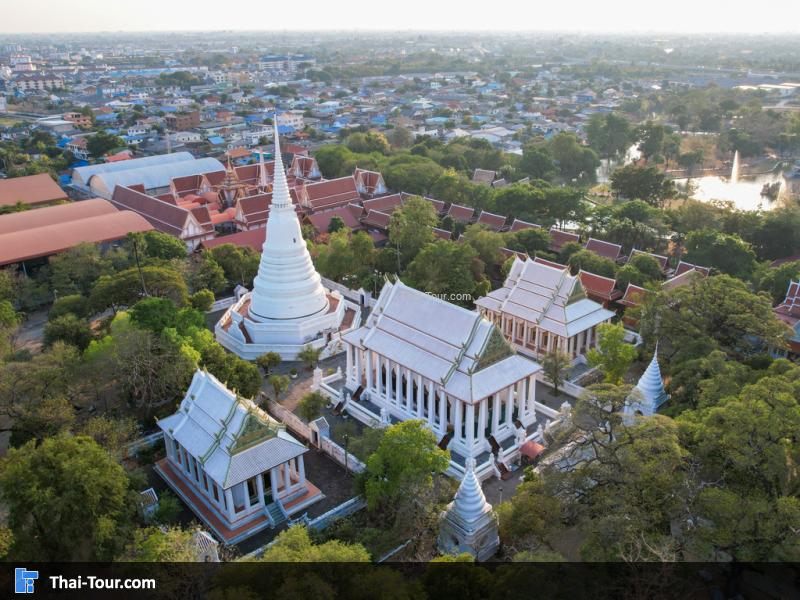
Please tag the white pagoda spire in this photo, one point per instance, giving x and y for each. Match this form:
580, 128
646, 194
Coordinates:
469, 523
287, 285
263, 183
649, 393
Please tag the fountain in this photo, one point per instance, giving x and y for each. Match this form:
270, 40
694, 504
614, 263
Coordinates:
735, 168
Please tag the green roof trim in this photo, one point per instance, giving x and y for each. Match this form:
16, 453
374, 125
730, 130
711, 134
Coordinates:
253, 431
495, 350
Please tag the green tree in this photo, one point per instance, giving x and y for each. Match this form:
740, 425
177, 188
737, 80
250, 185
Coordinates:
279, 383
537, 162
68, 329
74, 271
309, 356
555, 365
74, 304
403, 466
202, 300
447, 269
311, 405
633, 182
727, 253
67, 499
411, 227
155, 314
593, 263
335, 225
530, 241
240, 264
125, 288
101, 143
268, 360
295, 545
613, 356
531, 518
574, 161
609, 134
161, 245
158, 544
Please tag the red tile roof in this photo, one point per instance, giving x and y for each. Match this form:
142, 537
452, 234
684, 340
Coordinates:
385, 203
30, 190
518, 225
442, 234
559, 238
685, 266
550, 263
377, 219
165, 217
461, 213
253, 238
599, 286
326, 194
348, 214
496, 222
633, 295
604, 249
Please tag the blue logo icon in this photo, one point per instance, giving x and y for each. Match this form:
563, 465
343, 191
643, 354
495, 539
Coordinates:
23, 580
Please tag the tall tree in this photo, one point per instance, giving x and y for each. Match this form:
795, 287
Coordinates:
613, 356
67, 499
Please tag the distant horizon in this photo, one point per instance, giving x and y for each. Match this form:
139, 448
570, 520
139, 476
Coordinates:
682, 17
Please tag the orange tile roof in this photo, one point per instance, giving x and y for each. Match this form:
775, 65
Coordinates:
30, 190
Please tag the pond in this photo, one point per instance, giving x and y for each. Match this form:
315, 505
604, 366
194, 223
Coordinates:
745, 193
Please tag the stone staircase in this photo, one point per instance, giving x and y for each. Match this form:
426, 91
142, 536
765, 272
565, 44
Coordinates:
276, 514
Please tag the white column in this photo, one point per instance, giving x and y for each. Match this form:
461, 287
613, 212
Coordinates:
420, 397
229, 500
483, 414
470, 427
273, 482
513, 330
521, 403
398, 386
369, 367
358, 367
442, 412
510, 409
260, 488
246, 495
525, 329
495, 413
301, 468
349, 369
287, 472
457, 420
409, 395
431, 405
538, 341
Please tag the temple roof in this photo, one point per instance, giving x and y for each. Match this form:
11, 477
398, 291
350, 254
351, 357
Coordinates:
230, 436
444, 343
549, 296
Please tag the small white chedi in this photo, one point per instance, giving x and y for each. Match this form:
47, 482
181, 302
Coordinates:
469, 524
288, 307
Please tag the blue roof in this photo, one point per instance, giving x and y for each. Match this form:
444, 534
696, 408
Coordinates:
108, 117
215, 139
285, 129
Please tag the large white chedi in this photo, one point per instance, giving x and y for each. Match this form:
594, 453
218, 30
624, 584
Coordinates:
288, 308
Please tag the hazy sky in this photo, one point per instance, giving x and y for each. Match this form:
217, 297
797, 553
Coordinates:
23, 16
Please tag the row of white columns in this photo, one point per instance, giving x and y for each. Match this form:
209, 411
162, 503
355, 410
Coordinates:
223, 499
544, 341
386, 378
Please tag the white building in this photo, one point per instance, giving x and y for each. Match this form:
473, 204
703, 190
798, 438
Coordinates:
419, 357
231, 463
542, 307
288, 308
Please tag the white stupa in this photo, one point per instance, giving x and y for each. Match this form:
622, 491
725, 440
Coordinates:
288, 307
649, 393
469, 524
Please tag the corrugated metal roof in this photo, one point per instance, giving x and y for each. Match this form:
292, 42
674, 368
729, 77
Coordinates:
156, 175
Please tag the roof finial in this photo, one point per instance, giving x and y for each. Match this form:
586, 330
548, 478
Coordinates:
280, 188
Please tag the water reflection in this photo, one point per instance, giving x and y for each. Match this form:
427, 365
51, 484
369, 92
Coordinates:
745, 193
